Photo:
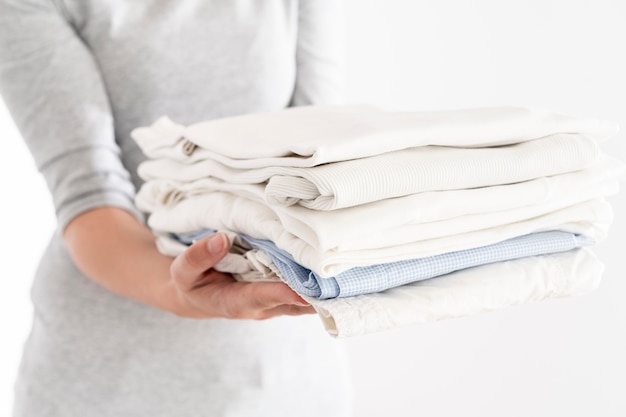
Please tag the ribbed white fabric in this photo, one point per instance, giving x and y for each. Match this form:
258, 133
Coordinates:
314, 135
393, 174
462, 293
224, 211
454, 211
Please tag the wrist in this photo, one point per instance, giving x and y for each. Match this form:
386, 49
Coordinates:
167, 296
115, 250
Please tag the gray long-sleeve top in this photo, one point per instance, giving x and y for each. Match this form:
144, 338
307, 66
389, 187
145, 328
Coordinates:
77, 77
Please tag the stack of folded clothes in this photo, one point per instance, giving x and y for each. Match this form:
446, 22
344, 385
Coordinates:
382, 219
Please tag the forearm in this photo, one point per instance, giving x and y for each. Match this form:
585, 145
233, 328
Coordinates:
113, 248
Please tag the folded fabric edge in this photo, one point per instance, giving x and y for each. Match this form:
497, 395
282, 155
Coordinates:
568, 274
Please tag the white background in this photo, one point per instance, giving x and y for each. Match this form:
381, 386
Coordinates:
562, 357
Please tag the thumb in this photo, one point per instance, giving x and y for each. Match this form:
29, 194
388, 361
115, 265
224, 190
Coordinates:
191, 265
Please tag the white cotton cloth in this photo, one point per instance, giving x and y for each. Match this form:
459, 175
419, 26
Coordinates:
462, 293
225, 211
449, 212
393, 174
313, 135
465, 292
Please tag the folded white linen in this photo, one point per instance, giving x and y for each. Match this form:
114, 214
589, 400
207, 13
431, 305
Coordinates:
449, 212
465, 292
399, 173
462, 293
314, 135
224, 211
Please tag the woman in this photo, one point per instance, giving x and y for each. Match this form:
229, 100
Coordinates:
120, 329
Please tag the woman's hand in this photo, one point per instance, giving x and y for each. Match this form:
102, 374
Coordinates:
114, 249
196, 290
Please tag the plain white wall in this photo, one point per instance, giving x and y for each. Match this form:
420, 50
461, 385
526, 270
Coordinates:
562, 357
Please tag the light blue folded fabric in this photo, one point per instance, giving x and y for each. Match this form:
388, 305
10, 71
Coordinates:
377, 278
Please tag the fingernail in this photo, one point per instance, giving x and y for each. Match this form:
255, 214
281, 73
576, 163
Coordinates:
217, 243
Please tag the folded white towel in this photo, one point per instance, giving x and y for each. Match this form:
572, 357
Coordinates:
393, 174
224, 211
309, 136
455, 211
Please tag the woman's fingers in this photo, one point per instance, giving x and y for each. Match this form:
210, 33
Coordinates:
189, 268
247, 300
205, 292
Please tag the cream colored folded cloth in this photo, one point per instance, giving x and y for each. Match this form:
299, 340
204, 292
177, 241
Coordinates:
314, 135
463, 293
359, 155
420, 216
394, 174
225, 211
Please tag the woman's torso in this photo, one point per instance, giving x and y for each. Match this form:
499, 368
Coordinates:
94, 353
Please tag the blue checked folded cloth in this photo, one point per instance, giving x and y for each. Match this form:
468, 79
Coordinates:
377, 278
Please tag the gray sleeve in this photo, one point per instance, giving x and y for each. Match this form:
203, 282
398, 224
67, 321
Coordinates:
319, 66
53, 89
